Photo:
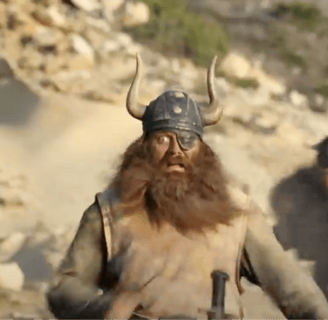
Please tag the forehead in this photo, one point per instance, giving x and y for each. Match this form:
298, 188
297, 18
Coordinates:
164, 132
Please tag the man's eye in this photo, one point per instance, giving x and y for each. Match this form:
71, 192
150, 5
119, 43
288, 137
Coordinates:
163, 140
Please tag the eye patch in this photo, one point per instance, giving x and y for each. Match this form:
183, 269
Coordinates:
186, 139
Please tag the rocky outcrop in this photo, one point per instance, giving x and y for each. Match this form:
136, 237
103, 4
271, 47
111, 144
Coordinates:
44, 39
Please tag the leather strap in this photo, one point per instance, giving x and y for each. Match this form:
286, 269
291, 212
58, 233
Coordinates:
106, 201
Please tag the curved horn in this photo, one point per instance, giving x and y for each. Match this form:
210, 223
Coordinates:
212, 113
135, 109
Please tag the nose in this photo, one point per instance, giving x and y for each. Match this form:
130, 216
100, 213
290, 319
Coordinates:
174, 148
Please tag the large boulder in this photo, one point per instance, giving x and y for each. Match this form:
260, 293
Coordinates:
11, 245
11, 276
136, 13
237, 65
87, 5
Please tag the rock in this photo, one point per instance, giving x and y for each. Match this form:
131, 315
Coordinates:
111, 46
82, 47
55, 64
110, 7
31, 60
124, 39
95, 39
318, 103
12, 17
175, 65
290, 135
78, 63
100, 25
49, 17
11, 276
298, 99
10, 246
2, 15
236, 65
223, 85
12, 199
113, 5
266, 122
134, 48
39, 238
45, 37
29, 25
136, 13
87, 5
53, 259
70, 81
5, 69
271, 84
85, 55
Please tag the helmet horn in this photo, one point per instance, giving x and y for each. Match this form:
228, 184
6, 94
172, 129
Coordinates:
213, 112
135, 108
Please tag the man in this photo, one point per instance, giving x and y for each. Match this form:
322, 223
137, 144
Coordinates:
148, 245
300, 202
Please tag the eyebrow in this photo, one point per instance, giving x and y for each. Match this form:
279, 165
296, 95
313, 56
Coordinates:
164, 134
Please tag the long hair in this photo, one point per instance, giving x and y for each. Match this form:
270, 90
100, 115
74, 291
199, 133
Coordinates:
195, 200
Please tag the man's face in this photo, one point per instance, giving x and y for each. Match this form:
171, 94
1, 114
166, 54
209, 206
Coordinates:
174, 151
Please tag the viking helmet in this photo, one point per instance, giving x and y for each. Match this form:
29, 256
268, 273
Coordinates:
174, 110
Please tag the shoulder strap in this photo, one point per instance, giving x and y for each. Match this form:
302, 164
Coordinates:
106, 201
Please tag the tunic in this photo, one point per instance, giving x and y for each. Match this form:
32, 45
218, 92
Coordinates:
119, 265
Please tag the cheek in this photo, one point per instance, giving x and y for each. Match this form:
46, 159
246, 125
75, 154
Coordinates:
159, 152
190, 154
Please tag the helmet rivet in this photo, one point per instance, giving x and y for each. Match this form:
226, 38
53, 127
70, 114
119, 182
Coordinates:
177, 109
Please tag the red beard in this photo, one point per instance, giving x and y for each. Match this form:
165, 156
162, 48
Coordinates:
195, 199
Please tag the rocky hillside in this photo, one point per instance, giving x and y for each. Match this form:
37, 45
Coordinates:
65, 70
288, 37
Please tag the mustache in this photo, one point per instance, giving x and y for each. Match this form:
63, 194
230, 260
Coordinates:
175, 160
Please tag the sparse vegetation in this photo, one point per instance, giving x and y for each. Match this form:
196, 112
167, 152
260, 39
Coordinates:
294, 60
246, 83
176, 31
303, 14
283, 46
323, 90
250, 83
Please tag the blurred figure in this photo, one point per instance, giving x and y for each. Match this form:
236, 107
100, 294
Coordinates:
322, 158
300, 202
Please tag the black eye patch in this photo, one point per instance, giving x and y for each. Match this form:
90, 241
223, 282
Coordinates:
186, 139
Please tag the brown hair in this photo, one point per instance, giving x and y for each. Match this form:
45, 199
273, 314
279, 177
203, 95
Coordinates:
195, 200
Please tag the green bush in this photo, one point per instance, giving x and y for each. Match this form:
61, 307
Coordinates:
302, 13
323, 90
247, 83
176, 31
294, 59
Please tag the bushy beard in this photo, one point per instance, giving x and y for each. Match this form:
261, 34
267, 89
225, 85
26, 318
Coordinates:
193, 200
